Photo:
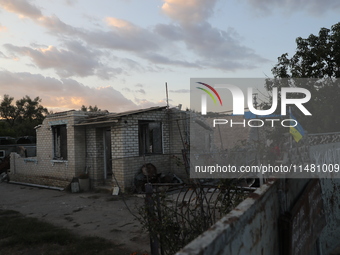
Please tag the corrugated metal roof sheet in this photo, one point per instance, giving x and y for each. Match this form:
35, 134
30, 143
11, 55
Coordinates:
112, 117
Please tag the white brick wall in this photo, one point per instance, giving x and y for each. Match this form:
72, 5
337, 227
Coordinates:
58, 172
85, 149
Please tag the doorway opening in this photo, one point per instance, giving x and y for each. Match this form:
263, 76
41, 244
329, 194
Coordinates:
107, 154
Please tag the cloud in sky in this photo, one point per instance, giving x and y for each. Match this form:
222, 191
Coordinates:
144, 103
2, 55
75, 60
120, 23
216, 48
180, 91
21, 7
187, 39
220, 49
206, 46
170, 31
164, 60
123, 36
190, 11
71, 2
2, 28
140, 90
63, 93
314, 7
131, 64
55, 26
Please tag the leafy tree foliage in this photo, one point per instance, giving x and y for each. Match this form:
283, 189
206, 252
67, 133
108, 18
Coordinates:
317, 61
90, 108
21, 117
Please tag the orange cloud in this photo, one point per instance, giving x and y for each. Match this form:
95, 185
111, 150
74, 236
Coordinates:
77, 101
189, 11
2, 28
64, 94
49, 48
119, 23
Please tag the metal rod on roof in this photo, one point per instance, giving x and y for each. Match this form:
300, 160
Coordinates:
167, 95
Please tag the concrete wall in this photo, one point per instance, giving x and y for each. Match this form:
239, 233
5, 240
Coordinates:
329, 154
329, 238
248, 229
31, 149
253, 226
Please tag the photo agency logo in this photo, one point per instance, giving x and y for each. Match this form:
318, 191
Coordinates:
217, 91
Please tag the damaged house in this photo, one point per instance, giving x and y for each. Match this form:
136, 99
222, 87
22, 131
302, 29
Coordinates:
110, 148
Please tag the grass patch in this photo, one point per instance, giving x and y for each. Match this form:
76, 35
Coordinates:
26, 235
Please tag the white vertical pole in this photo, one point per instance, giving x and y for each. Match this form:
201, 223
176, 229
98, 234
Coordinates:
204, 104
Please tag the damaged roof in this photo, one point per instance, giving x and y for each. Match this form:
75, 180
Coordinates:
114, 117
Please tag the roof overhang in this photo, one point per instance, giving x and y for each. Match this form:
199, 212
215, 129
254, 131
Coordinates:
97, 122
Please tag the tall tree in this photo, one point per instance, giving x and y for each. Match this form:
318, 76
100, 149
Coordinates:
317, 61
31, 110
7, 110
24, 115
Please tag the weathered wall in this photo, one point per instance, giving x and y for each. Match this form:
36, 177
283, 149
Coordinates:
85, 149
237, 232
126, 161
329, 154
43, 169
179, 141
248, 229
325, 154
227, 137
253, 226
31, 149
95, 155
330, 235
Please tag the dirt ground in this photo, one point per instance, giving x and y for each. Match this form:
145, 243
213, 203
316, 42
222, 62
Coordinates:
88, 213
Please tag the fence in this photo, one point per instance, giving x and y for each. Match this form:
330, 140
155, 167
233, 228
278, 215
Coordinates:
174, 215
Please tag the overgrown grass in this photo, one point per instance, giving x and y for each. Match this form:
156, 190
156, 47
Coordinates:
26, 235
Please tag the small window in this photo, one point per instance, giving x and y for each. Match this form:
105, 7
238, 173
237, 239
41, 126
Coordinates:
59, 142
150, 137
